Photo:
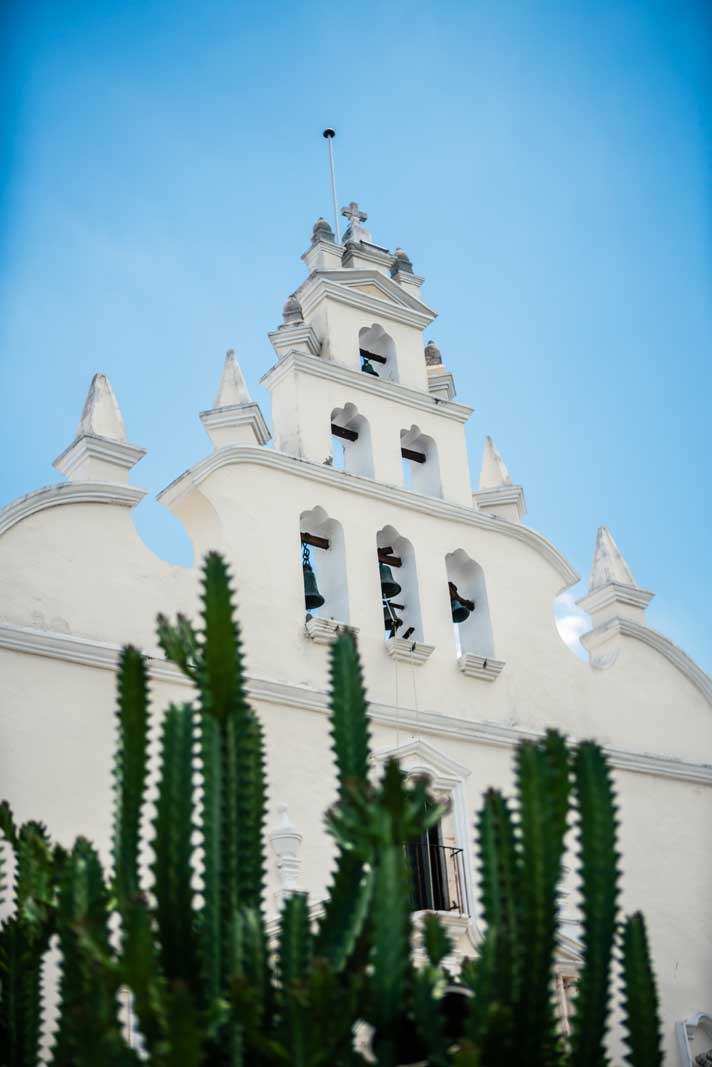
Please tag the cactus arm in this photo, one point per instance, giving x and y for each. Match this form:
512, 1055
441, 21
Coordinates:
348, 719
211, 820
220, 674
436, 940
129, 770
89, 1031
640, 997
599, 899
294, 960
345, 909
172, 848
390, 950
296, 946
500, 879
542, 789
250, 803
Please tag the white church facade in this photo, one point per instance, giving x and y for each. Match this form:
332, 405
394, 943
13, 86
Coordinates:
361, 498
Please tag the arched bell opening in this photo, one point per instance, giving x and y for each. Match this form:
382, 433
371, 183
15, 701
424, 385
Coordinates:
421, 468
378, 353
351, 441
323, 566
399, 586
469, 608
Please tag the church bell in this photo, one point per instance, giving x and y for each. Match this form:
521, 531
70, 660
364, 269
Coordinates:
368, 368
460, 607
459, 611
312, 596
389, 586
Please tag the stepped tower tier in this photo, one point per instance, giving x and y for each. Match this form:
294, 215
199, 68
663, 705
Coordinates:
353, 336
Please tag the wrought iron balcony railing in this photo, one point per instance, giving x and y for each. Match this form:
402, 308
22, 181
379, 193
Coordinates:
438, 878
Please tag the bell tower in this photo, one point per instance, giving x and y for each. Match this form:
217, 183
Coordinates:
351, 340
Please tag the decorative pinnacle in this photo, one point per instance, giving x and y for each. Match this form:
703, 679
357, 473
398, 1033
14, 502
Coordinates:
101, 415
608, 563
292, 312
322, 231
493, 472
233, 387
401, 262
433, 356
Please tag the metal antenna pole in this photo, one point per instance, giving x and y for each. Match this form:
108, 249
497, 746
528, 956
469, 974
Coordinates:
330, 135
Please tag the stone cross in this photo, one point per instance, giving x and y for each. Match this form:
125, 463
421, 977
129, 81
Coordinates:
353, 214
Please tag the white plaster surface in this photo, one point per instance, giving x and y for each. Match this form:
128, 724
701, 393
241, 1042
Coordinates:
78, 582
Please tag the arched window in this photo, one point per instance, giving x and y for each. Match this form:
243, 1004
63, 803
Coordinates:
469, 606
323, 566
399, 586
351, 440
421, 470
378, 352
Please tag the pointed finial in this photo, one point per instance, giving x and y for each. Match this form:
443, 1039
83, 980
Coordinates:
493, 472
496, 495
614, 600
608, 563
233, 387
235, 419
101, 415
100, 451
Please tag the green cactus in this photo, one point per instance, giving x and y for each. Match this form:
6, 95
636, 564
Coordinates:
207, 986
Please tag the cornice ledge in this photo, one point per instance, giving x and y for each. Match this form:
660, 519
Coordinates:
304, 468
348, 277
480, 666
620, 626
325, 631
615, 593
394, 307
415, 652
104, 656
52, 496
335, 372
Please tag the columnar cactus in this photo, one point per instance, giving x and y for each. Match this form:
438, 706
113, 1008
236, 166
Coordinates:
209, 990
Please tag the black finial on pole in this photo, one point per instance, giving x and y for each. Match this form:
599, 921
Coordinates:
330, 135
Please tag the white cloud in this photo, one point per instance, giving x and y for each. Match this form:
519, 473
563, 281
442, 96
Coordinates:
571, 622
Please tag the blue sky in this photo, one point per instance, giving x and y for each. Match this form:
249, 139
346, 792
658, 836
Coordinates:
546, 165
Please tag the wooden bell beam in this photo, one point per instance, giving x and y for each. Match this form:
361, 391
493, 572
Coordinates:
341, 431
385, 555
372, 355
315, 542
417, 457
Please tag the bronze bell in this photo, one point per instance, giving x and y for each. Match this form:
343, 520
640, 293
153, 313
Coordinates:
389, 586
459, 611
312, 596
368, 368
459, 606
391, 621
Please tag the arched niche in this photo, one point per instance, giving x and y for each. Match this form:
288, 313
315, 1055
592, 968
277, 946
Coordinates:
475, 633
351, 441
394, 547
328, 563
375, 340
421, 468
